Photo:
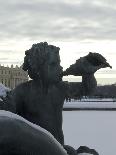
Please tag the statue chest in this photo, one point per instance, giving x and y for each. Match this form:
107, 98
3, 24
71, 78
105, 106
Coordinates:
38, 101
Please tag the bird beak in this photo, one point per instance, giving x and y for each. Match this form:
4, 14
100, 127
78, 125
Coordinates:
106, 64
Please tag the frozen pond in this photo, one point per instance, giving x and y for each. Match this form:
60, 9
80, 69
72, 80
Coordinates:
95, 129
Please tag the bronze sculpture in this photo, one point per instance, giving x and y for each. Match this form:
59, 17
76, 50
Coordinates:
41, 99
20, 137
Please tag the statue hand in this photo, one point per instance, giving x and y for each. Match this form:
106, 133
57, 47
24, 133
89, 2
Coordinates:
87, 65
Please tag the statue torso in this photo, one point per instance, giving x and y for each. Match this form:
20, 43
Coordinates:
44, 108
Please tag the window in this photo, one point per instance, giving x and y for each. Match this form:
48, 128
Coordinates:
5, 82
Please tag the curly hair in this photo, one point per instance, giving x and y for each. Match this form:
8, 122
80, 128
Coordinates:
35, 58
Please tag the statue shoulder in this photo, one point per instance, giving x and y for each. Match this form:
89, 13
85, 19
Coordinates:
22, 88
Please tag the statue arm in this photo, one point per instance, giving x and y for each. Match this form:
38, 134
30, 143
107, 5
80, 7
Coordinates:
17, 99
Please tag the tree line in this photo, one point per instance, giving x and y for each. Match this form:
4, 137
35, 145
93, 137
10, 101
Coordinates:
105, 91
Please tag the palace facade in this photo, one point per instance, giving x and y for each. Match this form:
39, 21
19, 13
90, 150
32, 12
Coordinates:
12, 76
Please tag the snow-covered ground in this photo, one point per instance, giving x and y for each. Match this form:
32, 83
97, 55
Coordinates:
91, 104
95, 129
94, 100
3, 90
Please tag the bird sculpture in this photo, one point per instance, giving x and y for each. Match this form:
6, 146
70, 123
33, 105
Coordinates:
87, 65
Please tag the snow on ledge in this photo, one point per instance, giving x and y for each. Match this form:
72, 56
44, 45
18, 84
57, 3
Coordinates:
89, 105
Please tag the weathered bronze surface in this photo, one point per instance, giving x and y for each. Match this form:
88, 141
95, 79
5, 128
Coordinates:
41, 99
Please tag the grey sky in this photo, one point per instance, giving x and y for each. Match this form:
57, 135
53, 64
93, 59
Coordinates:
64, 20
76, 26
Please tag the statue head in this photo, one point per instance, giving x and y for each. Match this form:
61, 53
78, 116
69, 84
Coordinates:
42, 61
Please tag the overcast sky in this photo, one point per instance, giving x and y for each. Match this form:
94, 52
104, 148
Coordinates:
76, 26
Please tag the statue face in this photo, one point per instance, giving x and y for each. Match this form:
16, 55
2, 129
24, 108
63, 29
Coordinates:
52, 69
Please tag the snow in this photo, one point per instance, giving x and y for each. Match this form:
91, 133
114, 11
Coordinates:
90, 105
3, 90
93, 100
8, 114
95, 129
84, 154
4, 113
